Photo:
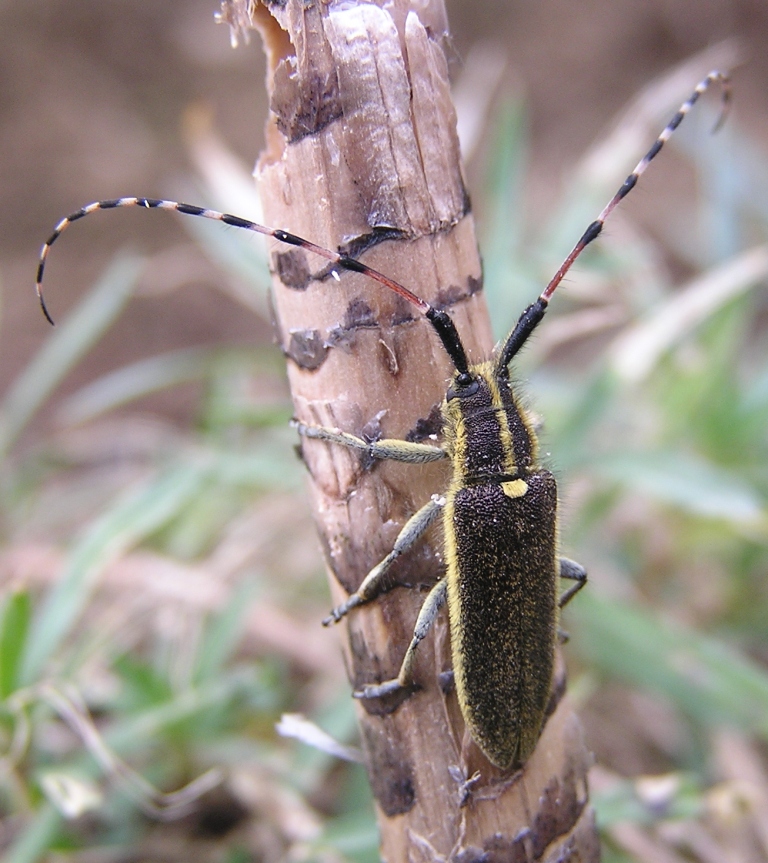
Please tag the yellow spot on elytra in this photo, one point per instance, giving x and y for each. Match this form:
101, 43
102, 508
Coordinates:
515, 488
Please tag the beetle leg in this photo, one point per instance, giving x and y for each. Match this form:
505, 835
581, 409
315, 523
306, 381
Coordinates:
371, 586
427, 616
388, 448
574, 571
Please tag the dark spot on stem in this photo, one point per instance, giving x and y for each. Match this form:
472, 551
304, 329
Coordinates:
292, 269
307, 349
392, 778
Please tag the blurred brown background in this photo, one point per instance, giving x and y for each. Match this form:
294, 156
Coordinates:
93, 96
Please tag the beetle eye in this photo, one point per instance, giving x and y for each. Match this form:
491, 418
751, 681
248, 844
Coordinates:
465, 385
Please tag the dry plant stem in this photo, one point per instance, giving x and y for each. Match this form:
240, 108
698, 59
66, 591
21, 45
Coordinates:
362, 137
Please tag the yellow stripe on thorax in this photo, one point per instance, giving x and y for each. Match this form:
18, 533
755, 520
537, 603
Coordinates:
504, 431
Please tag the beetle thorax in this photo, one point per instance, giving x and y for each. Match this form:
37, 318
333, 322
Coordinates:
487, 433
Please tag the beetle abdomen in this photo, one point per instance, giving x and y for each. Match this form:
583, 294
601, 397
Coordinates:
502, 594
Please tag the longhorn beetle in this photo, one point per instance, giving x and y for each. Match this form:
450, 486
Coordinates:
499, 512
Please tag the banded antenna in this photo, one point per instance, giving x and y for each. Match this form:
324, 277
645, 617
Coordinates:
438, 318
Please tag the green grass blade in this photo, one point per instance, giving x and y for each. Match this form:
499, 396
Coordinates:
142, 378
69, 343
623, 801
688, 482
14, 626
131, 733
139, 513
240, 253
711, 682
35, 840
223, 632
637, 351
509, 285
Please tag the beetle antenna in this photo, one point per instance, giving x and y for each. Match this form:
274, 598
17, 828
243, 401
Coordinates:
441, 322
535, 312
